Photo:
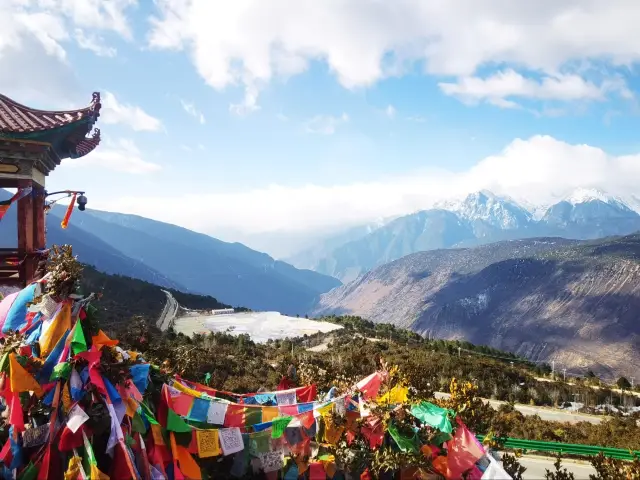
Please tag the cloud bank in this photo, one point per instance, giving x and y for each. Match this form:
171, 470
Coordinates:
537, 170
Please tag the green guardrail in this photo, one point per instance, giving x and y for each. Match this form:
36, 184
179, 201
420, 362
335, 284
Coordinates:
565, 448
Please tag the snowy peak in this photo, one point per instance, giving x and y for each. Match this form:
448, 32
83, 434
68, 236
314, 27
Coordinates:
586, 195
494, 210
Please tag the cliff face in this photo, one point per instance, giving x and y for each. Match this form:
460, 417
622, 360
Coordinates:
547, 299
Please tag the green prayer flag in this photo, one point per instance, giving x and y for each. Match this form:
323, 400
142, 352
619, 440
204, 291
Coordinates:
29, 473
259, 442
147, 413
278, 425
440, 438
175, 423
405, 443
137, 424
78, 342
252, 416
4, 363
61, 370
129, 441
433, 416
207, 378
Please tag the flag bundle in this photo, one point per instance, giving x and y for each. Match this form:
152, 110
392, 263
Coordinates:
80, 407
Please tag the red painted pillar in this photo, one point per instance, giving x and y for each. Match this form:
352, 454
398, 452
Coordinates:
26, 235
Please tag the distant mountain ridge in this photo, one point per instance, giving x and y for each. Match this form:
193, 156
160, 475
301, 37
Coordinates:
177, 258
478, 219
574, 302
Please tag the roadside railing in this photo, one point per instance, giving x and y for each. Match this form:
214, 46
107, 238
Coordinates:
564, 448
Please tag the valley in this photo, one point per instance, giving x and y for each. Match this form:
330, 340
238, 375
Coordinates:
549, 299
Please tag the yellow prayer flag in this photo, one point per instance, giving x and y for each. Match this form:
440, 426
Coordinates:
97, 474
332, 433
396, 395
132, 406
269, 413
20, 379
73, 471
208, 443
325, 410
187, 390
67, 402
56, 329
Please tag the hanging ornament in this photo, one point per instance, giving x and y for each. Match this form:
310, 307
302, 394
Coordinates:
67, 215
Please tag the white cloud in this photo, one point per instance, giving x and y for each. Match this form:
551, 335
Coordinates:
94, 43
121, 156
190, 108
33, 40
390, 111
325, 124
249, 103
499, 87
114, 112
363, 41
537, 170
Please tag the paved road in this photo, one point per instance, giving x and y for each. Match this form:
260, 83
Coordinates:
545, 413
536, 467
168, 312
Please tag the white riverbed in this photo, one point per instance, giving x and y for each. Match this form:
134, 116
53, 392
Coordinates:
261, 326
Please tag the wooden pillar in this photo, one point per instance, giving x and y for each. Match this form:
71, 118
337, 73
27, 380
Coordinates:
39, 225
25, 235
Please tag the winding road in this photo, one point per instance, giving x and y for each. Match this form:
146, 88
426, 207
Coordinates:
169, 312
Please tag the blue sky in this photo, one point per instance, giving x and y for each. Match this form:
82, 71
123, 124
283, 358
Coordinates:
245, 117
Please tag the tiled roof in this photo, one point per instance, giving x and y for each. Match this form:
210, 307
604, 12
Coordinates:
16, 118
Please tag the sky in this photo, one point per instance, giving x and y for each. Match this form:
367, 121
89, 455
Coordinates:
266, 120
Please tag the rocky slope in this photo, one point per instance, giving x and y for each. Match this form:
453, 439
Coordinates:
546, 299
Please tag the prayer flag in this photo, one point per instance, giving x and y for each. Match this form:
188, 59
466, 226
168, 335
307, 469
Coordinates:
20, 379
78, 342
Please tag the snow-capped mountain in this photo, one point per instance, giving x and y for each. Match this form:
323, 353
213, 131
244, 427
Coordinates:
497, 211
590, 213
586, 195
479, 218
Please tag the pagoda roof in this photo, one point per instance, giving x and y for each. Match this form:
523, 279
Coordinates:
65, 130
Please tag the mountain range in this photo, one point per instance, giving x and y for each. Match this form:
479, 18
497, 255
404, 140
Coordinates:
547, 299
478, 219
180, 259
